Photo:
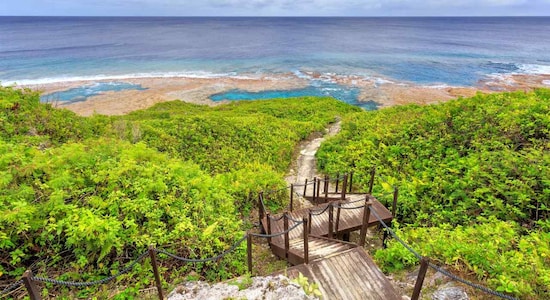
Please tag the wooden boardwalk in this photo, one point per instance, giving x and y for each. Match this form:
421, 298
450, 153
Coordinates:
350, 274
342, 269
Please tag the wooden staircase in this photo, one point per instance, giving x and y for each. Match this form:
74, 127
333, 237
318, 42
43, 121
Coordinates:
308, 238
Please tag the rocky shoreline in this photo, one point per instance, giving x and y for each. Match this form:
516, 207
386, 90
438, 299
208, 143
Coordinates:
385, 92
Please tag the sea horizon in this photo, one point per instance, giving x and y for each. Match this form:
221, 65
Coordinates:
425, 51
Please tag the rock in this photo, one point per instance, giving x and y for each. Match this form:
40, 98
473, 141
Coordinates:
271, 287
436, 279
450, 292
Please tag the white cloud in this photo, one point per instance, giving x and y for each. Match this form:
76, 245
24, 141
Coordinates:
277, 7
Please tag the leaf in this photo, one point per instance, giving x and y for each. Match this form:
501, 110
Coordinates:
208, 231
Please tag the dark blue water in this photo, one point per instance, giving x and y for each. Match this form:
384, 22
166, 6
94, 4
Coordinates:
453, 51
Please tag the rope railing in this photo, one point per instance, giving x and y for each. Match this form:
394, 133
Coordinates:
437, 268
276, 219
12, 287
95, 282
349, 208
277, 234
203, 260
29, 280
318, 212
292, 219
310, 182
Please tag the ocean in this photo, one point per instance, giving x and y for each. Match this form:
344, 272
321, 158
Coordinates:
453, 51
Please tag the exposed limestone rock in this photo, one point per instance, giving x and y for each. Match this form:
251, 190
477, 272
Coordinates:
271, 287
449, 291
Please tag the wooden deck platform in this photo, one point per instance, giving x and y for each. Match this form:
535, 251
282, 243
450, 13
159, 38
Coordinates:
319, 247
349, 275
351, 219
342, 269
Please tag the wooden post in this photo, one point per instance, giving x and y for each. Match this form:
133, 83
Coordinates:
287, 240
350, 181
260, 209
424, 262
305, 188
338, 219
327, 179
344, 185
371, 183
268, 223
249, 251
365, 224
306, 242
337, 182
310, 217
394, 205
330, 220
153, 256
318, 188
29, 285
291, 196
314, 189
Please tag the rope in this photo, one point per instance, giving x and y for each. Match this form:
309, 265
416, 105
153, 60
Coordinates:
310, 182
276, 234
262, 203
441, 270
276, 219
355, 201
11, 287
293, 220
318, 212
339, 178
350, 208
276, 191
471, 284
204, 259
90, 283
394, 235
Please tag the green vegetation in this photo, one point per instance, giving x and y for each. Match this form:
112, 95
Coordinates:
310, 288
474, 183
83, 196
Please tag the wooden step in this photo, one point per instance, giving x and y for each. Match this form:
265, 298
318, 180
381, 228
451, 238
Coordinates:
350, 274
319, 247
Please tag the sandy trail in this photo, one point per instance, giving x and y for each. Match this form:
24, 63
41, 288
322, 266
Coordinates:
305, 165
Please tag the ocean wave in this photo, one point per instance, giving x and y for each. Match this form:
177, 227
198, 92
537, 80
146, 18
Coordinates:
437, 86
65, 48
534, 69
101, 77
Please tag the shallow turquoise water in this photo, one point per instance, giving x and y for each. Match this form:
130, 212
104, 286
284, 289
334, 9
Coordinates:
84, 92
320, 89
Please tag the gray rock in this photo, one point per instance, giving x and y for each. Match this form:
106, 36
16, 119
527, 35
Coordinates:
269, 288
450, 292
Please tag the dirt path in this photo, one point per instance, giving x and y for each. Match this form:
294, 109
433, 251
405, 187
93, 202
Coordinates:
305, 165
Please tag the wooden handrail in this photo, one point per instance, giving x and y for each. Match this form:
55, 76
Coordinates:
306, 241
287, 239
364, 225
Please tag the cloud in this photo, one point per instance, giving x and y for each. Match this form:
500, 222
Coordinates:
276, 7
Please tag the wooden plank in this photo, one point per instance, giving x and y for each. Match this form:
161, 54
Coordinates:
348, 275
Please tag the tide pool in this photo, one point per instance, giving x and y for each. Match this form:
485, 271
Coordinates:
319, 89
82, 93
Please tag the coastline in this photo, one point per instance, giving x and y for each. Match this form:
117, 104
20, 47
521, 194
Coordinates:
385, 92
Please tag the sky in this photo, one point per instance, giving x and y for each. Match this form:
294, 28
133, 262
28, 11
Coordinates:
275, 7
